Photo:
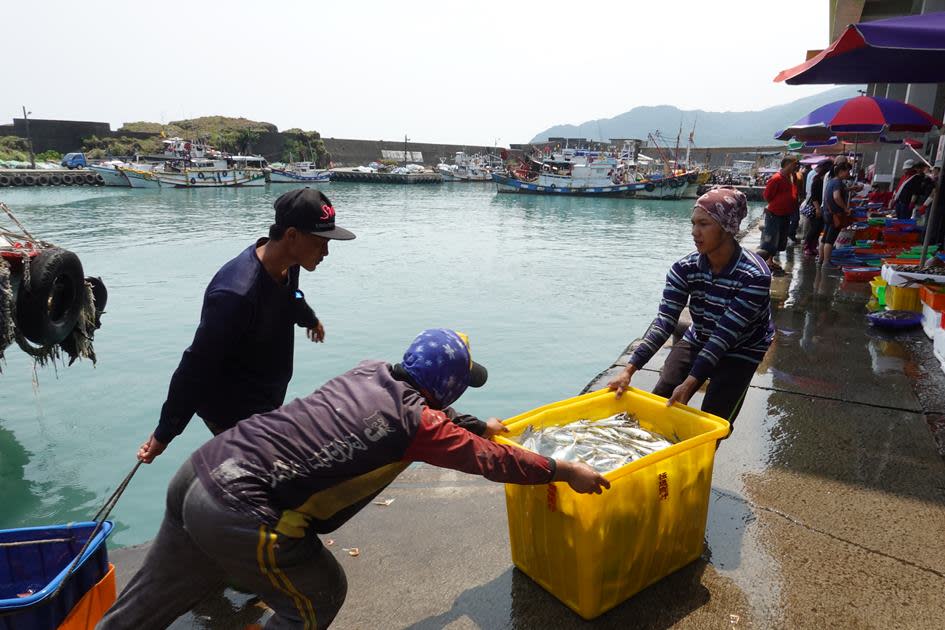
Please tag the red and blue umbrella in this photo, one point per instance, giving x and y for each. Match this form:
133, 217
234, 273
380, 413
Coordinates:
860, 119
905, 49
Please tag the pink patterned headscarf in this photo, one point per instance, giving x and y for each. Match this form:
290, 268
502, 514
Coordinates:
726, 205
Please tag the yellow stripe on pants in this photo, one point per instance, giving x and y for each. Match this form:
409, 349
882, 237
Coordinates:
265, 549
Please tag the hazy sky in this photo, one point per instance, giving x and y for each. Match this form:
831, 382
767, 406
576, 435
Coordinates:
470, 72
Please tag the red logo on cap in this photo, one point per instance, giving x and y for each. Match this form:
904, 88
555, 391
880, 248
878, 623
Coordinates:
327, 212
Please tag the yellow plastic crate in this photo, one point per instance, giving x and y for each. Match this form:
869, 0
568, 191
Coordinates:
903, 299
593, 552
878, 287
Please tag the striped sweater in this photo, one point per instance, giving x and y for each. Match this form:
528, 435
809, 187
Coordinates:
731, 311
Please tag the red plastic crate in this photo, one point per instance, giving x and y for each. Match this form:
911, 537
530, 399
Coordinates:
934, 296
908, 238
860, 274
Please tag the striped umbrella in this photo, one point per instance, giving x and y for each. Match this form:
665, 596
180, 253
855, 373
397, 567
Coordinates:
860, 119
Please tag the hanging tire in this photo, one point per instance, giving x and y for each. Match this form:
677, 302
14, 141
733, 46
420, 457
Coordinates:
43, 180
47, 310
17, 180
99, 179
5, 181
55, 180
29, 180
90, 179
67, 179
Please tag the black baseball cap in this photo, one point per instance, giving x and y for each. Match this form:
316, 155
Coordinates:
309, 210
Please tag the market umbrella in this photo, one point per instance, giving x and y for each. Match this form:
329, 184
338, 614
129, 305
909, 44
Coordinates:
860, 119
907, 49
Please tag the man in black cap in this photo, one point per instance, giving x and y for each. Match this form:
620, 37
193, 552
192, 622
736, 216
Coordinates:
240, 361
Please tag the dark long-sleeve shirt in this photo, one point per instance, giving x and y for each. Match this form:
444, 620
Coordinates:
316, 461
240, 361
731, 311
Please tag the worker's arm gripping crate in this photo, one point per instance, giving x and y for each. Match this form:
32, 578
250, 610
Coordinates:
593, 552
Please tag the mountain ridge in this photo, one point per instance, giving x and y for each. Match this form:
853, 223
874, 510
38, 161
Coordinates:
729, 128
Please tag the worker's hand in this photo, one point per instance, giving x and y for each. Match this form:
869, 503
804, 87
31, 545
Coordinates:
621, 382
150, 449
581, 477
684, 391
494, 426
316, 334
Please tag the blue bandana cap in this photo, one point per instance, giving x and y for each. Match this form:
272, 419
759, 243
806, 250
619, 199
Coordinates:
440, 363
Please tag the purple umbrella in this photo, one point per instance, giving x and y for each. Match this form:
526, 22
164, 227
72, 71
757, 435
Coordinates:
909, 49
860, 119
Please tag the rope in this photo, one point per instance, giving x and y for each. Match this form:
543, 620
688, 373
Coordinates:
103, 513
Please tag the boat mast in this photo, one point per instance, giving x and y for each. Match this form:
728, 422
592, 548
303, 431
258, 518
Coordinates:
690, 143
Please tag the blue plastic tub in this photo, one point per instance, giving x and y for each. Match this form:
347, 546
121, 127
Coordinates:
895, 320
35, 567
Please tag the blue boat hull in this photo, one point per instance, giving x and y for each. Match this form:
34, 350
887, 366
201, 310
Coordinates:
512, 185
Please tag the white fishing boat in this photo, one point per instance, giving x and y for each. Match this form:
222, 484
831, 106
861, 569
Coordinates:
111, 173
140, 175
205, 173
299, 173
466, 168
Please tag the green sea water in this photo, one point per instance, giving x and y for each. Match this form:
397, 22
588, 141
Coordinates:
549, 289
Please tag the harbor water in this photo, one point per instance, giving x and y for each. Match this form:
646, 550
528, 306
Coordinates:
549, 290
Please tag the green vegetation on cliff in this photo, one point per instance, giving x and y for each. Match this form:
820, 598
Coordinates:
96, 148
14, 149
236, 135
304, 146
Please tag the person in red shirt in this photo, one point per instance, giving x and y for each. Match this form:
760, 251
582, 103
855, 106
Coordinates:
781, 195
880, 194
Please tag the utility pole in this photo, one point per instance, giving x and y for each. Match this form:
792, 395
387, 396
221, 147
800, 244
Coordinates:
29, 139
405, 150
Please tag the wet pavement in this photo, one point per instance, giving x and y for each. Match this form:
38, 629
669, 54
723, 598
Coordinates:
827, 507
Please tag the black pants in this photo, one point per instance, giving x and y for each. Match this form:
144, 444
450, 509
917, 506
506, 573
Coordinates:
727, 384
813, 234
203, 545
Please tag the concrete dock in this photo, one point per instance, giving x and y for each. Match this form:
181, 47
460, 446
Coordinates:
827, 508
352, 175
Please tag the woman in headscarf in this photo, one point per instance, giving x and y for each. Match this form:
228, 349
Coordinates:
727, 289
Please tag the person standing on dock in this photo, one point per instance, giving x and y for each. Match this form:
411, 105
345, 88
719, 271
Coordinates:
781, 195
240, 361
728, 291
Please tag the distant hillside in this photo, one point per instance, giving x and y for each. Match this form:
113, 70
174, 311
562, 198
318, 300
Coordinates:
713, 129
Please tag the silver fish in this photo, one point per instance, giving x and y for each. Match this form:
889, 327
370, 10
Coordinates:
605, 444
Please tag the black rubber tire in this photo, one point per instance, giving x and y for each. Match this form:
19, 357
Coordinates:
55, 180
67, 179
5, 181
29, 180
99, 298
90, 179
99, 179
49, 310
43, 180
17, 180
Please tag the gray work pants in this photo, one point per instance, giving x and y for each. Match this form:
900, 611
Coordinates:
203, 545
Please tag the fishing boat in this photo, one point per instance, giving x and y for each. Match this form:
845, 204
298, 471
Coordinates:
140, 177
471, 168
299, 173
597, 177
212, 173
111, 173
